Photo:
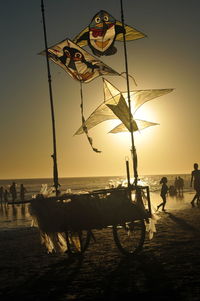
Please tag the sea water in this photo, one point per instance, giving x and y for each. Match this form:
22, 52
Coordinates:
16, 216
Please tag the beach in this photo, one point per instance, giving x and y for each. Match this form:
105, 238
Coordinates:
168, 268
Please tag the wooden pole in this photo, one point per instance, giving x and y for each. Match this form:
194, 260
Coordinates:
133, 150
54, 155
128, 172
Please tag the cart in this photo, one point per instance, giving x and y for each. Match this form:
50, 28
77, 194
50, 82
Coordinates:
67, 222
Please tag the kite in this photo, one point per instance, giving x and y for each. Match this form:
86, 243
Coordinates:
102, 33
81, 66
77, 62
115, 106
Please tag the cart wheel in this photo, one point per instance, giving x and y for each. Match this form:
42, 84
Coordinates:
129, 237
77, 242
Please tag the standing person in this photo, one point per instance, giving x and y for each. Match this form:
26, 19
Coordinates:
181, 185
164, 190
1, 194
22, 192
13, 191
176, 183
5, 195
195, 177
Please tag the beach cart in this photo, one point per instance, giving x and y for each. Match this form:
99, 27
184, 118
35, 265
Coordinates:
66, 222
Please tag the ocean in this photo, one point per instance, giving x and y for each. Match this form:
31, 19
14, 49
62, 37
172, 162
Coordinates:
16, 216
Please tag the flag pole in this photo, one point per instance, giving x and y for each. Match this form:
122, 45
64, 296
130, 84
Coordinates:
54, 155
133, 149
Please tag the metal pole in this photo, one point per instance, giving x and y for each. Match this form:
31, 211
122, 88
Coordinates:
134, 154
54, 155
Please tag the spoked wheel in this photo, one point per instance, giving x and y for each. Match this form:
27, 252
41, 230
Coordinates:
77, 242
129, 237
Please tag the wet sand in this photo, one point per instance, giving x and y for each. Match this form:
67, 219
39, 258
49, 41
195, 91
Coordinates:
168, 268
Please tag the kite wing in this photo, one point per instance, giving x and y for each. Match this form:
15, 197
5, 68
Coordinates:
139, 97
102, 113
141, 124
131, 33
77, 62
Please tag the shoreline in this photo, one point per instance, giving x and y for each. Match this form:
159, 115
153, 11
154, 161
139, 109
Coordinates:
17, 216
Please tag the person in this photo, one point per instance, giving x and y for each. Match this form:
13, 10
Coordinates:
5, 195
1, 194
176, 183
22, 192
13, 191
180, 185
163, 193
172, 190
195, 178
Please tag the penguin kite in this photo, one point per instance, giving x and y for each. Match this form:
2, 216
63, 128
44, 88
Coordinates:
102, 32
77, 62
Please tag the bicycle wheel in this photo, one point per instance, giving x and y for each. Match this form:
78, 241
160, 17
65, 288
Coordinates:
77, 242
129, 237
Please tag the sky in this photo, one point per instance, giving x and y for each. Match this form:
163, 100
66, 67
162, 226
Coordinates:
167, 58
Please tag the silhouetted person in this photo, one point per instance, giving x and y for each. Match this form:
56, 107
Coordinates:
180, 185
195, 177
172, 190
163, 193
13, 191
176, 183
1, 194
22, 192
5, 195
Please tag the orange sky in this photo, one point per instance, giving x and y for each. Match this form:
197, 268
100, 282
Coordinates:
167, 58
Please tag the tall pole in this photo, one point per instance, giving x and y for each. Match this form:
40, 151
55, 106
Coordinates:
134, 153
54, 155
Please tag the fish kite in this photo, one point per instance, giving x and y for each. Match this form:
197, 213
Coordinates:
115, 106
102, 33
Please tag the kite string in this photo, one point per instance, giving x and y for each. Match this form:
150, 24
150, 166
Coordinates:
121, 74
85, 129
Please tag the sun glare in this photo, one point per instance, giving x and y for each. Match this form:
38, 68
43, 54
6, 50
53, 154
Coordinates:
146, 113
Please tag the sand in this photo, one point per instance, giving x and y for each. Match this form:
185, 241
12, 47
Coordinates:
168, 268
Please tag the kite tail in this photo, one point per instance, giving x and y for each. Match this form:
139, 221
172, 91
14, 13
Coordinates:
85, 129
130, 77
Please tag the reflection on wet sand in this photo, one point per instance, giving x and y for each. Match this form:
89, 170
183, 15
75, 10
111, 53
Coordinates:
14, 215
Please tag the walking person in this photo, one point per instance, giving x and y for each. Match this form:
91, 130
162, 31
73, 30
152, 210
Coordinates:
163, 193
195, 178
13, 191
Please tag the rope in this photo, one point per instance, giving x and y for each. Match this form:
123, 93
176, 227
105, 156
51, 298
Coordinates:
130, 77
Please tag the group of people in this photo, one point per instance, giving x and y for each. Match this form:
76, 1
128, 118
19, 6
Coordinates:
179, 184
12, 191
